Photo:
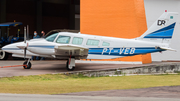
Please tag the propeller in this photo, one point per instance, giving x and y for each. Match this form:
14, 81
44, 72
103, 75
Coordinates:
27, 37
25, 43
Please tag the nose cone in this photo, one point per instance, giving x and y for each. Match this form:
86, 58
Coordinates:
7, 48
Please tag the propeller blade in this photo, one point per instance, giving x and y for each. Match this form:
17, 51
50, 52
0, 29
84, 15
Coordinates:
25, 53
25, 43
27, 32
24, 34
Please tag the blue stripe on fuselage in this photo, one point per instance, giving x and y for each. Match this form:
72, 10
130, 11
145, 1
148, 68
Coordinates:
11, 49
123, 51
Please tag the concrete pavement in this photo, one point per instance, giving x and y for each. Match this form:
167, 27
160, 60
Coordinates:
53, 66
32, 97
58, 66
158, 92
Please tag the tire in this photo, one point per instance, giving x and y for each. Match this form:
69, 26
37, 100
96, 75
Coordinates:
67, 67
3, 55
28, 66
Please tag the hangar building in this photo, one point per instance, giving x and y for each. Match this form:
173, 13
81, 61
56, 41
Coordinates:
41, 14
116, 18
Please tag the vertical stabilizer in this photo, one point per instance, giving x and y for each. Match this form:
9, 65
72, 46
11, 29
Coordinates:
162, 29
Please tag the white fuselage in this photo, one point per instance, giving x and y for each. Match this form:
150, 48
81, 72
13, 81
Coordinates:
100, 47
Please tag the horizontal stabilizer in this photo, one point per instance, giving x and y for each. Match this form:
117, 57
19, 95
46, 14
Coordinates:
166, 48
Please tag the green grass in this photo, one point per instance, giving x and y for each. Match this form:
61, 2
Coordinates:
56, 84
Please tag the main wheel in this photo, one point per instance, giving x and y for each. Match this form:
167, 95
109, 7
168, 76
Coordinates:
68, 67
28, 66
3, 55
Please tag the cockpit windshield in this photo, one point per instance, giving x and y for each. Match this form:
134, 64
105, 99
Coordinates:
51, 37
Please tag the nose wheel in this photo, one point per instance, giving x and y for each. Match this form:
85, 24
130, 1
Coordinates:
27, 64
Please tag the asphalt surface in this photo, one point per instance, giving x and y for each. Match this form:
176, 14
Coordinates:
158, 92
57, 66
53, 66
26, 97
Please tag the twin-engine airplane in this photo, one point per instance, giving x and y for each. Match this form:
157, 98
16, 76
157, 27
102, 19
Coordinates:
74, 46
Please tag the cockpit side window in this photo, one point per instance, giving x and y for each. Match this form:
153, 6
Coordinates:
105, 44
77, 41
63, 39
92, 42
51, 37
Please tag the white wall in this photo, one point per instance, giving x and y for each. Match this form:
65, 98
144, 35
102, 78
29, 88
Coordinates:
153, 9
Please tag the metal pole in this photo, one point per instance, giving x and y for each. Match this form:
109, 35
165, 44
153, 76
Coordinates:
8, 31
18, 31
0, 33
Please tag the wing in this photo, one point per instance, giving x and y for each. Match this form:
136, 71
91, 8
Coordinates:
79, 52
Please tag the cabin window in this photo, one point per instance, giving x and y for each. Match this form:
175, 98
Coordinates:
77, 41
105, 44
92, 42
63, 39
51, 37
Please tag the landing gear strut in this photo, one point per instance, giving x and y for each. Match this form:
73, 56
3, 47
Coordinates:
70, 65
27, 64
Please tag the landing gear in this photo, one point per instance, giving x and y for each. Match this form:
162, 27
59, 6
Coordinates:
27, 64
70, 65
